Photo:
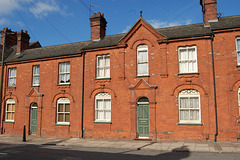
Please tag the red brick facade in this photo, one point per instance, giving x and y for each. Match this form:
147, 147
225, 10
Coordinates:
162, 87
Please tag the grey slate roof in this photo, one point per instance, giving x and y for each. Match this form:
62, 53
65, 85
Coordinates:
186, 31
226, 23
8, 51
48, 52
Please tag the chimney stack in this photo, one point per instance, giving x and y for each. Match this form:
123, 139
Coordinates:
11, 37
22, 41
98, 26
209, 9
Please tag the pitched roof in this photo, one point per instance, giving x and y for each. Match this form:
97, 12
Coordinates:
185, 31
8, 51
47, 52
226, 23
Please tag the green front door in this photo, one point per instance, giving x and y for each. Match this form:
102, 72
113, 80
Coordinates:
33, 120
143, 120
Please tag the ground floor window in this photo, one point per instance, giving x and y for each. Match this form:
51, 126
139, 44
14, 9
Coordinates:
189, 106
63, 111
10, 110
103, 107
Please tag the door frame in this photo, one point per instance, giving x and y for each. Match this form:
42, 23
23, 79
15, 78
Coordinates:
137, 125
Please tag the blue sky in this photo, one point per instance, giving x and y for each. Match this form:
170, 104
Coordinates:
53, 22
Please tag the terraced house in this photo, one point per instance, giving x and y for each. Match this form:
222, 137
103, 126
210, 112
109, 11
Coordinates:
149, 83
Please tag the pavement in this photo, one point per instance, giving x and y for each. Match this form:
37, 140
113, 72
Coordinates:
163, 145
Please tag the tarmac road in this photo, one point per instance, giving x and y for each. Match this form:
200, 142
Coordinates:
53, 152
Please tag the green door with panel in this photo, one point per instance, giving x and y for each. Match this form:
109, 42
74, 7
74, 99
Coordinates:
143, 120
33, 119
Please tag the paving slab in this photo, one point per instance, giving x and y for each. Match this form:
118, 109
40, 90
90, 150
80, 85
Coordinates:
229, 149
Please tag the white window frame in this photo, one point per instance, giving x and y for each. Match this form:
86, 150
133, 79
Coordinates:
142, 48
238, 50
10, 102
36, 75
188, 60
189, 93
12, 75
65, 73
105, 67
63, 101
104, 97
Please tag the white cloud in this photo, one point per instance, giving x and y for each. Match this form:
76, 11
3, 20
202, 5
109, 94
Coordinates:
7, 6
3, 21
159, 24
46, 7
126, 29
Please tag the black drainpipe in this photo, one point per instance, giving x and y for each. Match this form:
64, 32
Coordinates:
83, 68
214, 86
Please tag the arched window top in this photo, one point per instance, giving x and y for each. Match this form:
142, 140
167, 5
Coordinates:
103, 95
189, 91
143, 99
142, 47
63, 100
10, 101
34, 105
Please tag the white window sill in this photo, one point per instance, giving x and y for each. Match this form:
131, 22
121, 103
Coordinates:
238, 121
62, 124
188, 73
102, 78
145, 75
8, 121
63, 84
35, 85
97, 121
188, 123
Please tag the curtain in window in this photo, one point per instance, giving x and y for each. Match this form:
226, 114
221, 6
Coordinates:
99, 109
10, 110
36, 75
103, 107
64, 72
189, 107
63, 110
12, 77
103, 66
108, 109
238, 44
187, 60
142, 61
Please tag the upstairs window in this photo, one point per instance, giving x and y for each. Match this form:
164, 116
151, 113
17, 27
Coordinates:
103, 66
187, 59
12, 74
238, 50
63, 111
64, 73
142, 60
10, 110
35, 78
189, 106
103, 107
